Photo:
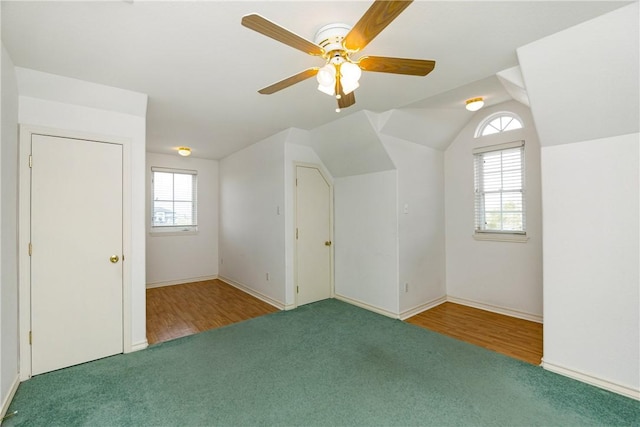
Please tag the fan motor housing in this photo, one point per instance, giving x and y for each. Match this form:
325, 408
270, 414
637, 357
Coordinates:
330, 36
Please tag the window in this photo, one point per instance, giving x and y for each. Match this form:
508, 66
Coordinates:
499, 189
174, 206
498, 123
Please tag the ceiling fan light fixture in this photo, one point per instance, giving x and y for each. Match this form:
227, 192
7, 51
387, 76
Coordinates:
184, 151
350, 71
329, 90
349, 86
326, 75
474, 104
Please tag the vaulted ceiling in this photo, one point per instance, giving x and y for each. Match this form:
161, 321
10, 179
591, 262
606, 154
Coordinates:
201, 69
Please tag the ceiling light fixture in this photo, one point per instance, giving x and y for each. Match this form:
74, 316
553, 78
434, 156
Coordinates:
474, 104
184, 151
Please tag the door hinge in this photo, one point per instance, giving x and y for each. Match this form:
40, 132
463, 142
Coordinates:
296, 182
297, 291
30, 338
122, 257
30, 160
296, 234
30, 248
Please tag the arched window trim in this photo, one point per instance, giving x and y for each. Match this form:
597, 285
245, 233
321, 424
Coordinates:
484, 123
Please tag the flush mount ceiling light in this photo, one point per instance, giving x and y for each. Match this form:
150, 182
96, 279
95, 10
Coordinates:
184, 151
474, 104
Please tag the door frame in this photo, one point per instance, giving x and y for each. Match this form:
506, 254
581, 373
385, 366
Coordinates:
24, 234
329, 182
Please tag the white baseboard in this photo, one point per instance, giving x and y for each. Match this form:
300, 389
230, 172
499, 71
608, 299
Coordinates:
496, 309
589, 379
141, 345
9, 397
277, 304
180, 281
422, 307
366, 306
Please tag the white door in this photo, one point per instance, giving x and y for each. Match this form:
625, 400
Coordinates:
76, 228
313, 236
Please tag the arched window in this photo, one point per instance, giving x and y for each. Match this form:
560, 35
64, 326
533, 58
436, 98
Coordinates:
497, 123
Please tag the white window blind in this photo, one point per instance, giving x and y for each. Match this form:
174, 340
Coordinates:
499, 189
174, 199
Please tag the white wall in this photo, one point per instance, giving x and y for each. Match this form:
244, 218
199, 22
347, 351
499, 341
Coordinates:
500, 276
366, 241
591, 259
420, 224
252, 224
591, 301
76, 117
185, 258
8, 233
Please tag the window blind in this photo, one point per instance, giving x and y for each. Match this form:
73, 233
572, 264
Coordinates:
174, 193
499, 188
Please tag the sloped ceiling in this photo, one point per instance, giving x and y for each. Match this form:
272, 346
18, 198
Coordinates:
201, 69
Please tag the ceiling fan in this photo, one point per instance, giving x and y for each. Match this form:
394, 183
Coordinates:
336, 43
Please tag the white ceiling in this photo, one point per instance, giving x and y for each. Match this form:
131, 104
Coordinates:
202, 69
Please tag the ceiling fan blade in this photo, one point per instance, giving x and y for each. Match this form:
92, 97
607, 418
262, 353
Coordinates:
375, 19
276, 32
289, 81
383, 64
347, 100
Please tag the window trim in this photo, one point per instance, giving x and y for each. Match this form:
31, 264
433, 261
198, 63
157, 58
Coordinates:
502, 235
174, 230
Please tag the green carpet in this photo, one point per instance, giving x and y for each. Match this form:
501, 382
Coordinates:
327, 363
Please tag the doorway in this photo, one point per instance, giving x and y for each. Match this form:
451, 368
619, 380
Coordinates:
313, 235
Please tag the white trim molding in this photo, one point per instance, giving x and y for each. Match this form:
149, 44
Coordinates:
137, 346
9, 397
422, 307
180, 281
367, 306
501, 237
244, 288
496, 309
594, 381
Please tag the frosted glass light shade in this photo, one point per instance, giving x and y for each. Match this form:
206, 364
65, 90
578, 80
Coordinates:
329, 90
326, 75
349, 86
350, 71
474, 104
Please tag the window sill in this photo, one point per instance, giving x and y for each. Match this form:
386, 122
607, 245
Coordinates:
501, 237
173, 233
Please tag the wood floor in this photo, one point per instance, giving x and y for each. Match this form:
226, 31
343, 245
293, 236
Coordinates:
181, 310
517, 338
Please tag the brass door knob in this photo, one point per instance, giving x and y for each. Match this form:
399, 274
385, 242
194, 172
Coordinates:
327, 243
114, 258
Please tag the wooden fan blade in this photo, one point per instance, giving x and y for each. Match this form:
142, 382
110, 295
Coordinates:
276, 32
347, 100
383, 64
375, 19
289, 81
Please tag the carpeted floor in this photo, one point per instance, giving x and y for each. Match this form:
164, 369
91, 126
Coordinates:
327, 363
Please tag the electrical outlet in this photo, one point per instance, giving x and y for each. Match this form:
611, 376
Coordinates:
406, 286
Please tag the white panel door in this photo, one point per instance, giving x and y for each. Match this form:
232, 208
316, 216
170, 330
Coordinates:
76, 227
313, 243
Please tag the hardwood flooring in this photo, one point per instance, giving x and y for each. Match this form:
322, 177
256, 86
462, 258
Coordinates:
180, 310
517, 338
